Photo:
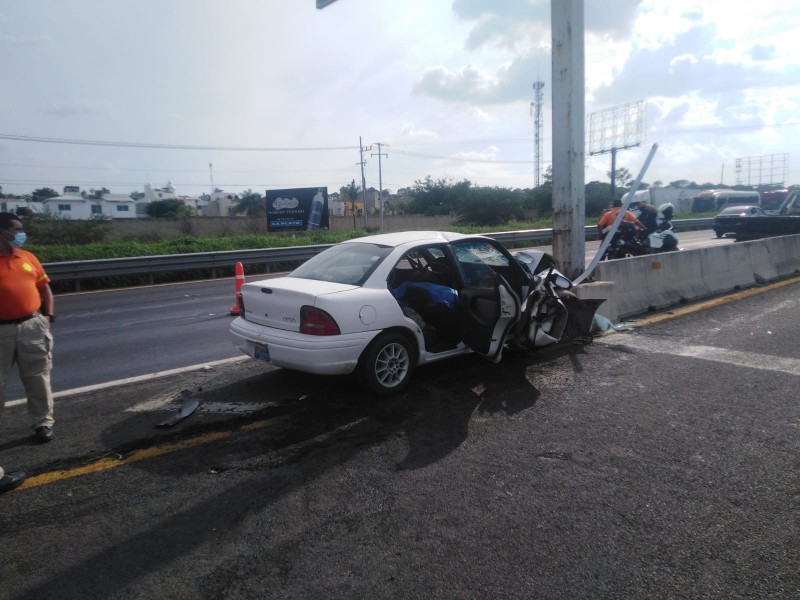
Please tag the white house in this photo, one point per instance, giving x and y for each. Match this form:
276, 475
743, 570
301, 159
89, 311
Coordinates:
73, 204
168, 192
165, 193
217, 204
14, 204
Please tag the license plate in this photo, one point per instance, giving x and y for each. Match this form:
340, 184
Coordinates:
261, 352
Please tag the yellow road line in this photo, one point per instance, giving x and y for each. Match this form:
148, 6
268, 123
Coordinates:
104, 464
679, 312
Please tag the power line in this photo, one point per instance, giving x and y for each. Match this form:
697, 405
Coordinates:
466, 160
46, 140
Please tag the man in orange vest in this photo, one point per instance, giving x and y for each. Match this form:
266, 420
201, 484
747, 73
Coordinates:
26, 312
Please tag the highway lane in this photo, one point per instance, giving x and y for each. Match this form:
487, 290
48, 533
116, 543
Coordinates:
618, 469
110, 335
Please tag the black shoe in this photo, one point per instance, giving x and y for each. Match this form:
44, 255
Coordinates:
10, 481
44, 434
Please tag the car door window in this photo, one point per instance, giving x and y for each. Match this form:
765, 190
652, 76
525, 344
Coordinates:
489, 305
479, 261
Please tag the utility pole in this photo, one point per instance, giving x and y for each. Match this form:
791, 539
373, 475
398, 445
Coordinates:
569, 208
380, 179
363, 179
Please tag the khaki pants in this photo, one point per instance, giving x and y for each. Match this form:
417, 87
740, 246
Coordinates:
30, 345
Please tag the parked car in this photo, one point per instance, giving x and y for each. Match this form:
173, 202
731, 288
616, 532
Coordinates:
379, 306
728, 216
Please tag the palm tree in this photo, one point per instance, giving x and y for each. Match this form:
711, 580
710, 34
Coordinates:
252, 204
351, 193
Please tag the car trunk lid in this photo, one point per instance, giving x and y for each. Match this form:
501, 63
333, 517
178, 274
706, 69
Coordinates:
276, 303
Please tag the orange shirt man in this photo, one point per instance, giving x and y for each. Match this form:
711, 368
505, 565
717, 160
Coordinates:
607, 218
26, 311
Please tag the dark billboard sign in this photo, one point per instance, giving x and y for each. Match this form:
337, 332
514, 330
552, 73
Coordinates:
297, 209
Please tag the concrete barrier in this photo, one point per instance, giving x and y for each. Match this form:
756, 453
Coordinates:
658, 281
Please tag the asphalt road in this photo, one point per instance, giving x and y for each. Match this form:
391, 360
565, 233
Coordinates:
107, 336
661, 462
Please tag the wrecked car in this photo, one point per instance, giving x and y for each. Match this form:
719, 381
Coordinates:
379, 306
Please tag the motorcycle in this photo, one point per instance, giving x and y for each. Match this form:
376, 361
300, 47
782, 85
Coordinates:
630, 241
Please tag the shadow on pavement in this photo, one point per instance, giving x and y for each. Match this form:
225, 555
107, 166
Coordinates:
314, 425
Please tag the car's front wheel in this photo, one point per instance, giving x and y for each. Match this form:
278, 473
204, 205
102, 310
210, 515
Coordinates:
387, 364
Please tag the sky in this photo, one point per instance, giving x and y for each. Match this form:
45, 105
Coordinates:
272, 94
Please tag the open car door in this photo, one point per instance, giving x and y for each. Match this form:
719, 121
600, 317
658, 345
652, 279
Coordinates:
488, 305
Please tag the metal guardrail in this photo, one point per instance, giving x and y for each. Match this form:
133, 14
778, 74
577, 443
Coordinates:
78, 270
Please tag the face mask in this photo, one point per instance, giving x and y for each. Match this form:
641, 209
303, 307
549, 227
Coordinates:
19, 239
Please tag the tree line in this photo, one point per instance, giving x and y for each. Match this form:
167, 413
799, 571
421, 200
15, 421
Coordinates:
470, 204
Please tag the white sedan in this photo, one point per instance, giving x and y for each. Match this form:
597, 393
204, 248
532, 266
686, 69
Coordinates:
378, 306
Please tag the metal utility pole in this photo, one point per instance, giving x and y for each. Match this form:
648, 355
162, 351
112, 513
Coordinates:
380, 179
363, 179
569, 203
536, 110
211, 175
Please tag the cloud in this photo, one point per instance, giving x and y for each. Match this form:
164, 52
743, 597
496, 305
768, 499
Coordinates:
760, 52
510, 22
510, 83
615, 19
691, 64
468, 84
412, 131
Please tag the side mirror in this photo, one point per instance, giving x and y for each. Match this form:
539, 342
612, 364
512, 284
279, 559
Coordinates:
561, 281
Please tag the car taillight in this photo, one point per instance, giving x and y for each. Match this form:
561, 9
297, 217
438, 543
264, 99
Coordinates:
314, 321
240, 304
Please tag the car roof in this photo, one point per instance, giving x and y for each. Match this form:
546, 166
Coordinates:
401, 238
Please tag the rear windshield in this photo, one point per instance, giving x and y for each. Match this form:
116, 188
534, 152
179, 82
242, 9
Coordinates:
741, 210
346, 263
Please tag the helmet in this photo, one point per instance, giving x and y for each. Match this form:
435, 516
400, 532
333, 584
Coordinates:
666, 210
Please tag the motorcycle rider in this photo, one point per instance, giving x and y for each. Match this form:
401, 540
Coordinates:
607, 218
664, 224
665, 214
647, 214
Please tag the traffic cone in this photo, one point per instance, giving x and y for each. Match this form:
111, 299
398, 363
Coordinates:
239, 282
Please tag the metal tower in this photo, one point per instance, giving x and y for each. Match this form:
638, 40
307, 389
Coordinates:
536, 112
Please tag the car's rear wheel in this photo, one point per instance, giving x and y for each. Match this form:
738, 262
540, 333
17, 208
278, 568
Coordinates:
387, 364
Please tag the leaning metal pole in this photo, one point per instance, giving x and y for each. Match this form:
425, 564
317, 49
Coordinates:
615, 225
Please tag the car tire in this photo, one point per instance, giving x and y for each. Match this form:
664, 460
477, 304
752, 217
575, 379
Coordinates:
387, 364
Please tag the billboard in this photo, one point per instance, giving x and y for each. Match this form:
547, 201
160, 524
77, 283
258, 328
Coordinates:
297, 209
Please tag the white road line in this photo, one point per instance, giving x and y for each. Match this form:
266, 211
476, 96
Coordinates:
118, 382
750, 360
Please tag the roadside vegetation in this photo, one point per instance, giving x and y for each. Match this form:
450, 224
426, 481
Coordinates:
476, 210
190, 244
